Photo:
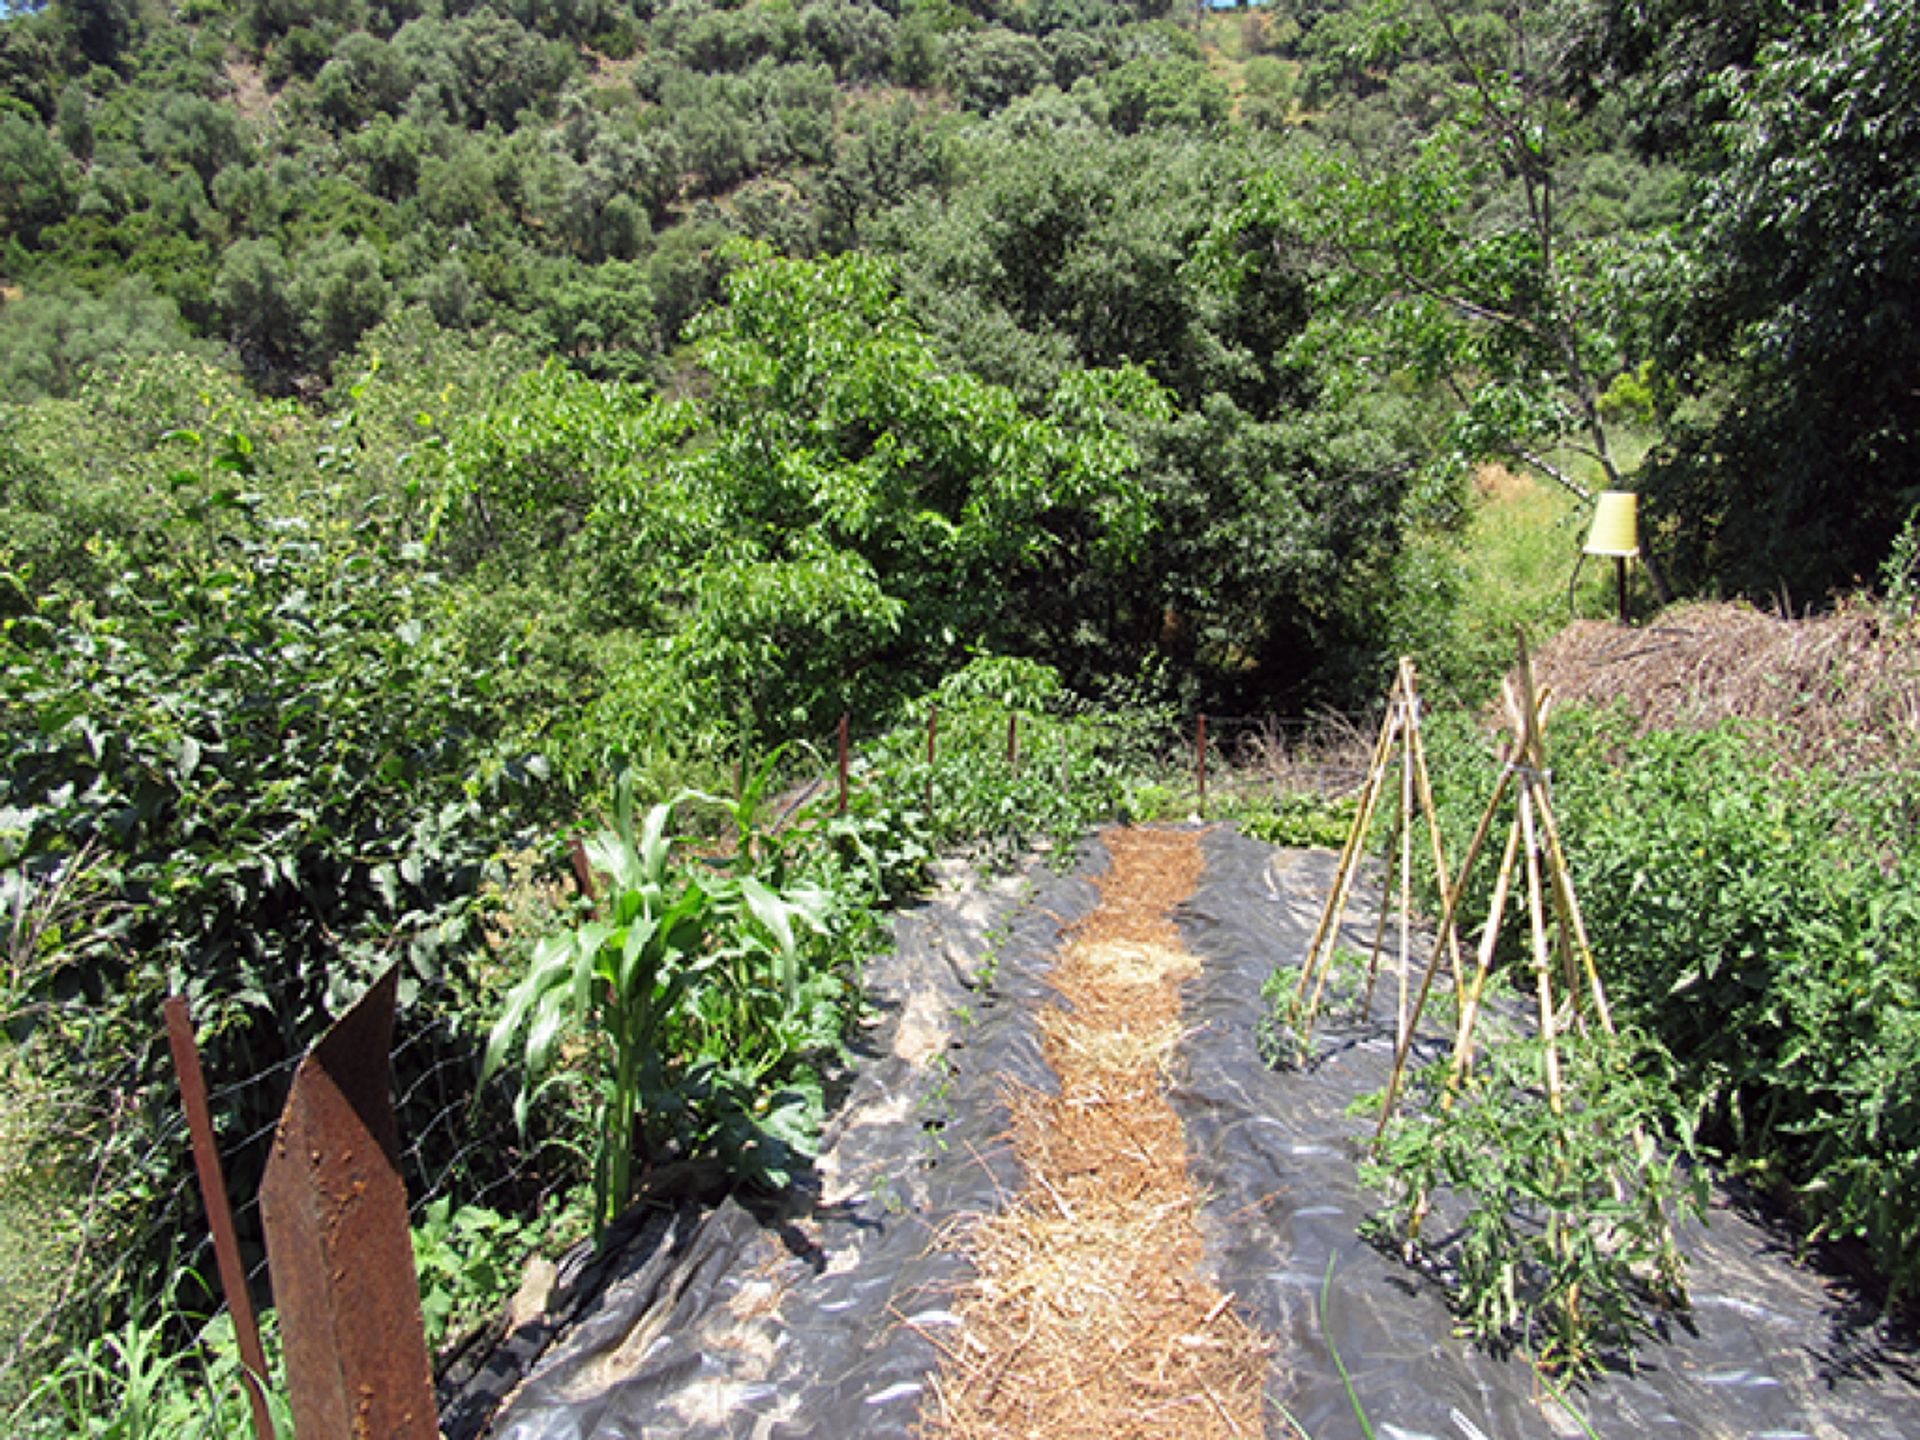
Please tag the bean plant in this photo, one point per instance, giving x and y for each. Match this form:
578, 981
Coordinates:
1755, 913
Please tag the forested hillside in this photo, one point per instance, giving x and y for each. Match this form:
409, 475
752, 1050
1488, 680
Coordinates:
417, 415
1694, 218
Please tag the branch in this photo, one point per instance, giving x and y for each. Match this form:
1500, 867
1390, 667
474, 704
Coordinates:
1554, 473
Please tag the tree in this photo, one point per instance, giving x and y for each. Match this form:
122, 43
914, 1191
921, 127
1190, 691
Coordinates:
1173, 91
851, 511
101, 30
1463, 259
366, 77
198, 134
36, 186
1279, 504
255, 295
346, 295
1795, 331
993, 68
50, 343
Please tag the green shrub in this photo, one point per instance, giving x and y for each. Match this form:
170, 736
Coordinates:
1565, 1244
1303, 819
1761, 924
276, 781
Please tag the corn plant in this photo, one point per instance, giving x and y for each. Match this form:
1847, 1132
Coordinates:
623, 973
686, 967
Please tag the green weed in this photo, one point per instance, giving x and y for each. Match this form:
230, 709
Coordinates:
132, 1383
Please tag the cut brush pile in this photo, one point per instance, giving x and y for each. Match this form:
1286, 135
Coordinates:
1091, 1316
1846, 685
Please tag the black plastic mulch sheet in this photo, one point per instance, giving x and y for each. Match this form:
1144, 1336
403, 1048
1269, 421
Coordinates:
825, 1320
1768, 1349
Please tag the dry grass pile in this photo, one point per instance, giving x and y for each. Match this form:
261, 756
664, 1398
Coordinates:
1091, 1317
1844, 687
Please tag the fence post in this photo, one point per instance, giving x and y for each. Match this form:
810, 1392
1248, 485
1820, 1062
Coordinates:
213, 1191
845, 720
1200, 762
933, 735
582, 868
1013, 741
339, 1243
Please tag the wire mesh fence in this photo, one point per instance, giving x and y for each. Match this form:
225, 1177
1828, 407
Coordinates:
134, 1232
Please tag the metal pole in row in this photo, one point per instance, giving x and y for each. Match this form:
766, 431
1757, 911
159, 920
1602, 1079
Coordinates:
213, 1191
1200, 762
933, 738
845, 721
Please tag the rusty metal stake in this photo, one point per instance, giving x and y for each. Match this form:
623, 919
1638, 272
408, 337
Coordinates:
1200, 762
213, 1191
582, 870
339, 1243
933, 736
845, 721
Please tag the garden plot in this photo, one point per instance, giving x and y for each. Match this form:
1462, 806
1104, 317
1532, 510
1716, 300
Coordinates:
824, 1318
1767, 1349
831, 1317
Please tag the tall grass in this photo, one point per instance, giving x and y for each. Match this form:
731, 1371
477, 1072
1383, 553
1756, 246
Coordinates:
1516, 563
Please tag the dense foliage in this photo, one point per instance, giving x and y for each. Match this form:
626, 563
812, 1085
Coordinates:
415, 417
1791, 347
1758, 925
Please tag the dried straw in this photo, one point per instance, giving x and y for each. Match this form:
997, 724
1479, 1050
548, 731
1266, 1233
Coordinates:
1091, 1316
1843, 688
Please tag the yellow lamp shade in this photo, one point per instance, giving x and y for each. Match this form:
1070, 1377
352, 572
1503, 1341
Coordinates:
1616, 527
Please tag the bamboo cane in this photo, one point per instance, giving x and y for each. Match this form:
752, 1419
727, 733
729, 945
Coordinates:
1569, 903
1330, 918
1378, 947
1535, 763
1363, 825
1396, 872
1448, 935
1565, 899
1537, 936
1469, 1017
1356, 837
1483, 967
1449, 917
1402, 1033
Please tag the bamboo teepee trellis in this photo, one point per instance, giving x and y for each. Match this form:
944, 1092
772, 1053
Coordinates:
1582, 1276
1399, 755
1533, 852
1534, 849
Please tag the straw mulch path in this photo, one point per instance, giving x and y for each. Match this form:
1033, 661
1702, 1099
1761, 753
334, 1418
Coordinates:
1091, 1317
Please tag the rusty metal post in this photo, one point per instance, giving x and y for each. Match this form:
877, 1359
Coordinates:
213, 1191
1200, 762
582, 870
845, 721
339, 1245
933, 736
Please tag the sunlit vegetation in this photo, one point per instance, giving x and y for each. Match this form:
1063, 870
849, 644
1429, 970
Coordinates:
420, 422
